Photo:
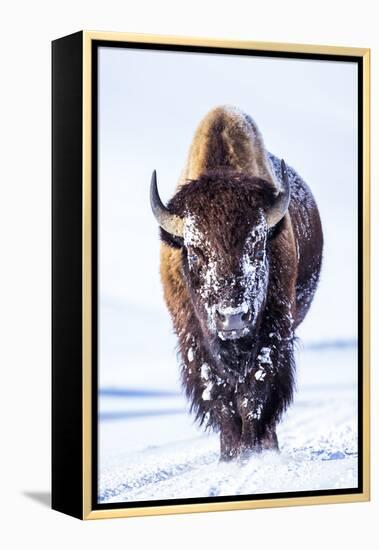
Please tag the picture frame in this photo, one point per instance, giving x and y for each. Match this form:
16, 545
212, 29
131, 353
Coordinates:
76, 148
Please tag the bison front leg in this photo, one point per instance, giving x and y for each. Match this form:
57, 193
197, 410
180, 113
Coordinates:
269, 440
250, 435
256, 437
230, 426
266, 396
229, 442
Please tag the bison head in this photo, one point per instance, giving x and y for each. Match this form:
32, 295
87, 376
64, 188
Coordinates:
221, 222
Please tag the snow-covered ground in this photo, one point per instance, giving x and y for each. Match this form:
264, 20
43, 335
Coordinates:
149, 447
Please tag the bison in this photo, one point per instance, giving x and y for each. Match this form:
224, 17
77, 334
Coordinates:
241, 251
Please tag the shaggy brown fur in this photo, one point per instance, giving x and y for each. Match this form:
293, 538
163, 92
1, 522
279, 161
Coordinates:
227, 138
239, 387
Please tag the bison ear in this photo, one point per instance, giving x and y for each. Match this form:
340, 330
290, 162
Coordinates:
169, 222
278, 210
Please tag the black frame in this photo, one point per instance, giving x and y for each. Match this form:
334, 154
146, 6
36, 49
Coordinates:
67, 163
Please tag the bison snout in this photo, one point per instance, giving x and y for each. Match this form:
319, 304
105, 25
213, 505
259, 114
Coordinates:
232, 324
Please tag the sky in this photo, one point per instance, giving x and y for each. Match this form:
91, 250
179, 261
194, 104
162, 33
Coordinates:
150, 104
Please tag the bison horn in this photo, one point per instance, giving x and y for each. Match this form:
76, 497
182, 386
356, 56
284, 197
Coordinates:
169, 222
277, 211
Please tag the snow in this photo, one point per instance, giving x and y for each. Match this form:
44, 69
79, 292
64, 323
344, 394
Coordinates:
253, 268
206, 395
260, 374
230, 310
192, 235
205, 371
151, 449
264, 356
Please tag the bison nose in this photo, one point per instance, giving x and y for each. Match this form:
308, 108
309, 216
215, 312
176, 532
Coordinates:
227, 320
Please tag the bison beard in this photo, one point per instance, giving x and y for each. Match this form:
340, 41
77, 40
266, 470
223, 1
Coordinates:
224, 260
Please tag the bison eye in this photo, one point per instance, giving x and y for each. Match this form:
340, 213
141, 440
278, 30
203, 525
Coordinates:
192, 258
259, 255
194, 255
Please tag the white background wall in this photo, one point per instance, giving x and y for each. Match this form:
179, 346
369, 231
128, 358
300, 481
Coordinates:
27, 28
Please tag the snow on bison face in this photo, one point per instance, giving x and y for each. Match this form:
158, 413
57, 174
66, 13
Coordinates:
226, 272
221, 222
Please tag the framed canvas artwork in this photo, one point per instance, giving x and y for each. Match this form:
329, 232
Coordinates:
210, 274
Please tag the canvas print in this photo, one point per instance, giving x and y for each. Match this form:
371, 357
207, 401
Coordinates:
227, 275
